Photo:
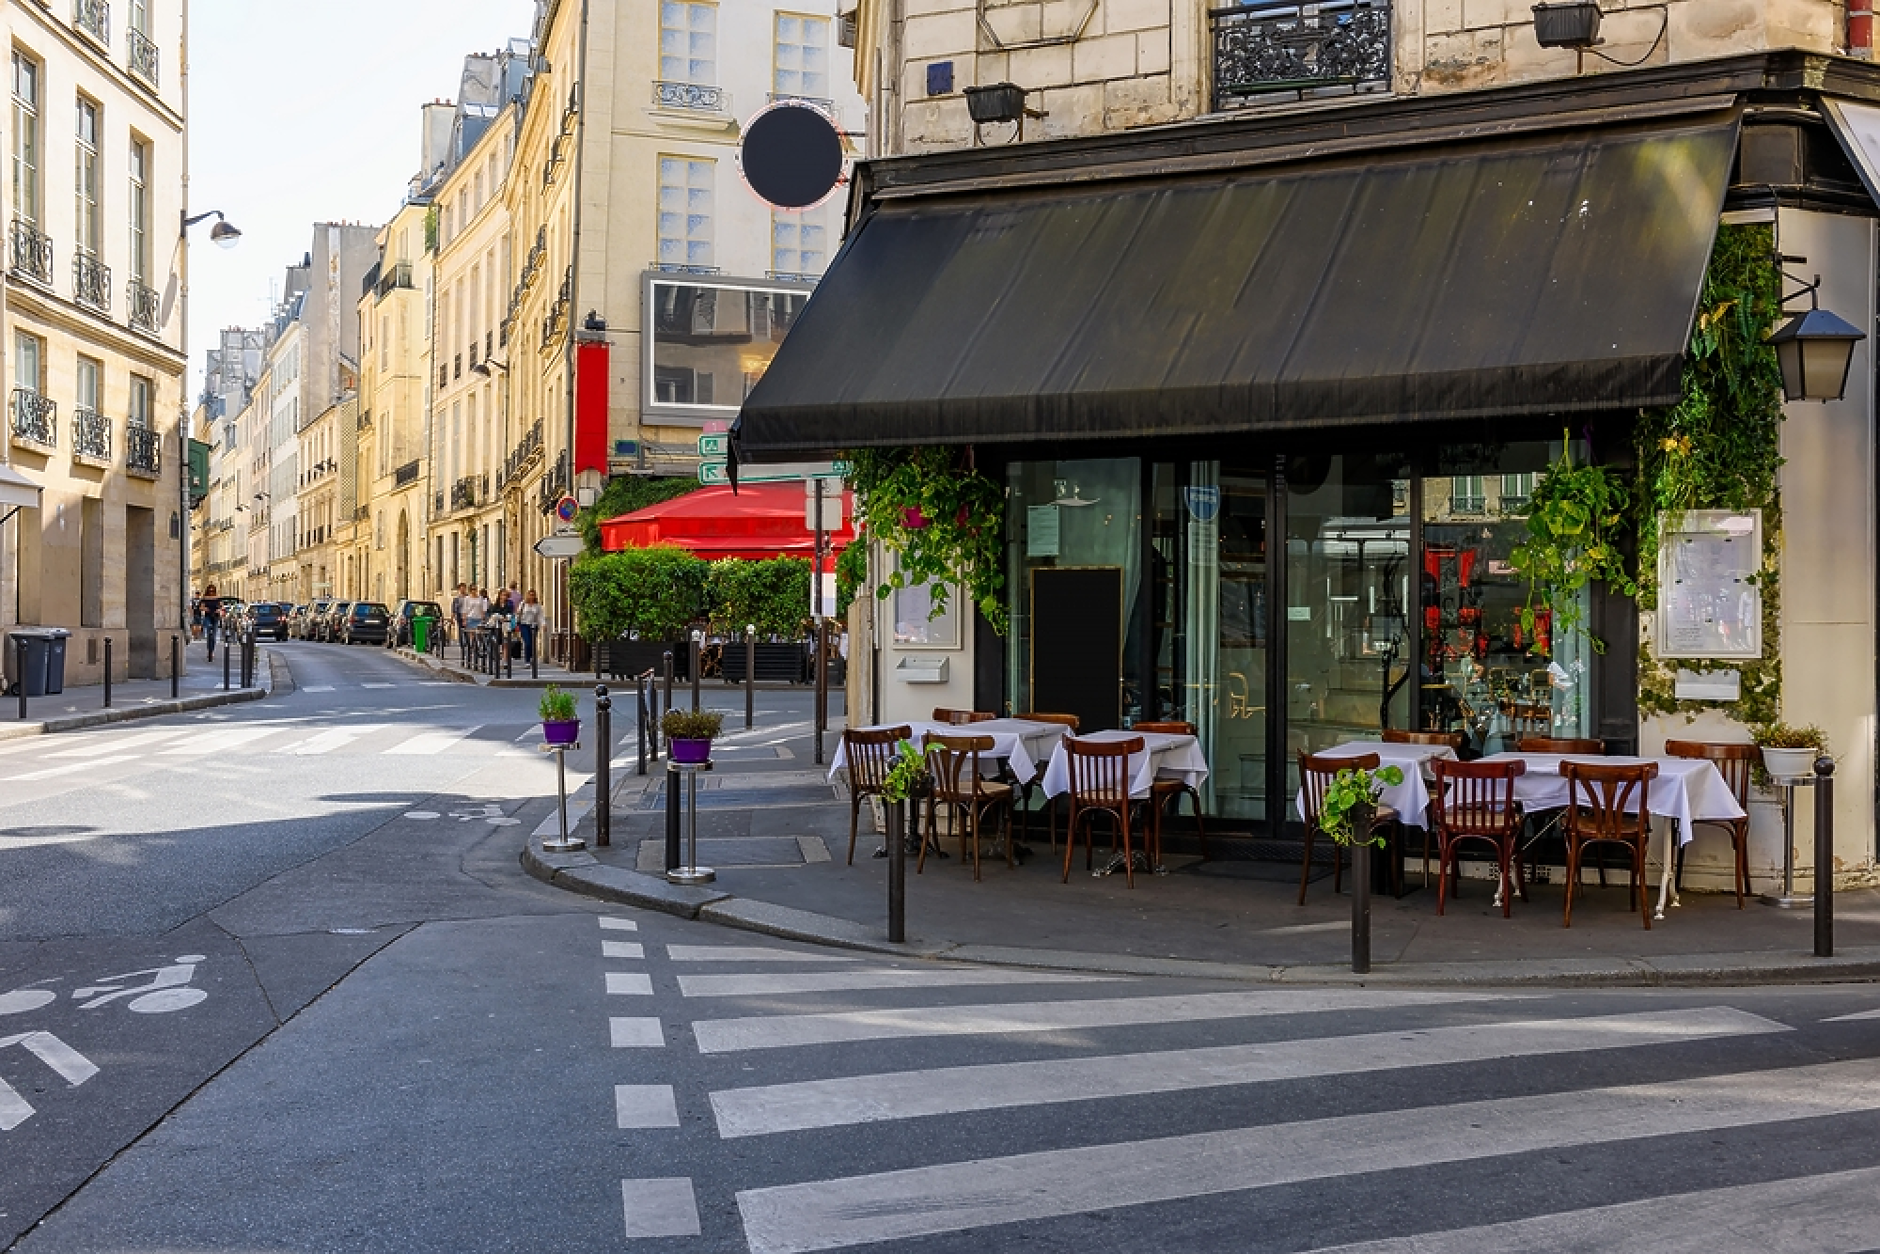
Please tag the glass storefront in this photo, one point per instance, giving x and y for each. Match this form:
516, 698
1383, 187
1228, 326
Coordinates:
1147, 591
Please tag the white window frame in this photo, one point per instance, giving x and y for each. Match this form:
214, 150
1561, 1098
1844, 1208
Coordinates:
688, 42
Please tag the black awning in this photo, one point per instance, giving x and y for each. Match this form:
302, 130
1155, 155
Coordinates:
1519, 277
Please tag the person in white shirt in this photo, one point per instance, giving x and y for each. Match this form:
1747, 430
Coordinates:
529, 619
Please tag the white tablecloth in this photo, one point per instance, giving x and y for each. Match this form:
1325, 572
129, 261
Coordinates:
1410, 799
1685, 789
1018, 741
1163, 754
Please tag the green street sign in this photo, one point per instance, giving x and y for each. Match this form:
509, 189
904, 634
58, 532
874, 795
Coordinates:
712, 474
714, 445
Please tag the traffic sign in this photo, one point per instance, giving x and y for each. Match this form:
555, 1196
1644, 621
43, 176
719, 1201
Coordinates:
713, 446
562, 545
566, 508
713, 474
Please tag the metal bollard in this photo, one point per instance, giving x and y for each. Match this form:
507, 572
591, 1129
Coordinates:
107, 672
1824, 857
509, 658
668, 705
603, 764
673, 857
897, 865
176, 667
535, 653
1361, 906
750, 672
639, 693
19, 671
822, 684
227, 649
698, 659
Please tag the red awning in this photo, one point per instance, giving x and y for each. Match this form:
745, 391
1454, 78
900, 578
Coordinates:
760, 520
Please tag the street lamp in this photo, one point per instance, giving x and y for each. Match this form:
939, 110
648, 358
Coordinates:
488, 366
223, 234
1815, 350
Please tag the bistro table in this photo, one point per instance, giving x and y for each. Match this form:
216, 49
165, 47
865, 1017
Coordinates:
1165, 755
1410, 799
1685, 790
1018, 742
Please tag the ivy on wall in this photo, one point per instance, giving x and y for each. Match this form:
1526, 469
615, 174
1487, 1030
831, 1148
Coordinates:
1720, 448
941, 518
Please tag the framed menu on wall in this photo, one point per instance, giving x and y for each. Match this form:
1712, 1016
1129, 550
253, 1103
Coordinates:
1709, 601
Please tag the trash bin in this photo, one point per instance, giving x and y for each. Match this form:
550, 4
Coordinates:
27, 648
421, 634
55, 660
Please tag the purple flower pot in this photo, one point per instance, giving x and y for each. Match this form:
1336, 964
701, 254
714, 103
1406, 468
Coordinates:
561, 731
689, 750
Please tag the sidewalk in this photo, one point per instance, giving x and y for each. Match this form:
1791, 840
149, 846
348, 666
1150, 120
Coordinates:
199, 688
777, 835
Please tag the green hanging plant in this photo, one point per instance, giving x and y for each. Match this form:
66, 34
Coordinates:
1349, 812
942, 519
1574, 520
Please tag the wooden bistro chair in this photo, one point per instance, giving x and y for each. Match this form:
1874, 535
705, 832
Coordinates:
1475, 801
960, 785
1607, 805
1024, 797
1099, 772
869, 755
960, 718
1315, 777
1453, 740
1735, 763
1169, 791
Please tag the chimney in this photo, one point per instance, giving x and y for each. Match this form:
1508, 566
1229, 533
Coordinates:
1860, 29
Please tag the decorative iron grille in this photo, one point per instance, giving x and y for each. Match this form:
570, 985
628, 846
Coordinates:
691, 96
94, 18
407, 473
146, 304
143, 451
32, 252
1264, 48
91, 282
463, 493
144, 56
91, 435
35, 418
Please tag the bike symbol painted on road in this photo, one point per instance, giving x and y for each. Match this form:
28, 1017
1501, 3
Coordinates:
167, 990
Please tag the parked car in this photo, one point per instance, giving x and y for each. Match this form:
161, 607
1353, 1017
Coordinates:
307, 626
267, 619
296, 618
399, 633
364, 620
327, 627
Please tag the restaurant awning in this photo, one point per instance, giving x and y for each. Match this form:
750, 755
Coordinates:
16, 490
1542, 274
759, 520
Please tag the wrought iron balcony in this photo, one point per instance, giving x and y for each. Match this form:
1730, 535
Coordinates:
32, 252
464, 494
91, 282
691, 96
143, 54
1263, 48
94, 18
143, 451
820, 102
91, 435
146, 307
407, 473
35, 418
399, 276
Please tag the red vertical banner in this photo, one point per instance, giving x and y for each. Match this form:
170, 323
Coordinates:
590, 406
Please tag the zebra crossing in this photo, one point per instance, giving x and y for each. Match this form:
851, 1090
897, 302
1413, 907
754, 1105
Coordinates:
49, 758
1069, 1096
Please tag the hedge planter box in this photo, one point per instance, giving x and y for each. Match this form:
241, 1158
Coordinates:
784, 661
561, 732
620, 659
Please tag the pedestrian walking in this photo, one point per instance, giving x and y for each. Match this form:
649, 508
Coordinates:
456, 616
529, 619
211, 617
476, 607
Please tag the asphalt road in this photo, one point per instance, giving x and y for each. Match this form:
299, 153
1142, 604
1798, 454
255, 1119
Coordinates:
405, 1045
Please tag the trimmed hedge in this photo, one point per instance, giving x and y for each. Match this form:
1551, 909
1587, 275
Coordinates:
661, 593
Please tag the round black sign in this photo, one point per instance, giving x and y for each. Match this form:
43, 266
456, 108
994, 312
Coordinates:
792, 155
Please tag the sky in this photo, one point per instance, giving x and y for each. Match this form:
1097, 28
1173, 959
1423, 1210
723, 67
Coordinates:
302, 113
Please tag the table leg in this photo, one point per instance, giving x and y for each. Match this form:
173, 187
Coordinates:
1665, 889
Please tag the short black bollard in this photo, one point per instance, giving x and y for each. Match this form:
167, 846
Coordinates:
822, 684
673, 857
603, 764
897, 867
535, 652
19, 671
639, 694
509, 658
176, 667
1824, 857
107, 672
750, 673
227, 651
668, 705
698, 663
1360, 905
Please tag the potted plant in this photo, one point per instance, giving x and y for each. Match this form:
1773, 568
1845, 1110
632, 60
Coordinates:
908, 779
1349, 811
561, 723
690, 733
1788, 752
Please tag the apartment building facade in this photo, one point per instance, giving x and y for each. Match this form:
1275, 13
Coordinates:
92, 328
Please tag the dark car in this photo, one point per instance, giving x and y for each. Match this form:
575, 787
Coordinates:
267, 620
400, 631
364, 620
326, 627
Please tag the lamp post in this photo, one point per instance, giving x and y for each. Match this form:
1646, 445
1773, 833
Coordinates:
224, 235
1815, 349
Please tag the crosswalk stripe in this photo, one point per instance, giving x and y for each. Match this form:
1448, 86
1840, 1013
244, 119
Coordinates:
318, 688
432, 742
723, 1036
70, 768
773, 983
763, 1110
618, 925
635, 1033
645, 1106
331, 739
622, 949
660, 1208
1854, 1018
218, 740
366, 685
629, 984
922, 1201
119, 743
744, 953
1828, 1214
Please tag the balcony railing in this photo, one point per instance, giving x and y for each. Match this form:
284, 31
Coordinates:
463, 493
32, 252
91, 282
691, 96
407, 473
94, 18
1263, 48
35, 418
146, 307
91, 435
399, 276
143, 54
143, 451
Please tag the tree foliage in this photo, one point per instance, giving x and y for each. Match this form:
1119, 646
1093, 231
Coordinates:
655, 594
941, 518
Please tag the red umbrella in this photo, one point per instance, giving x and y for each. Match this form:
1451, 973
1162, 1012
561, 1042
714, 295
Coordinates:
761, 520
